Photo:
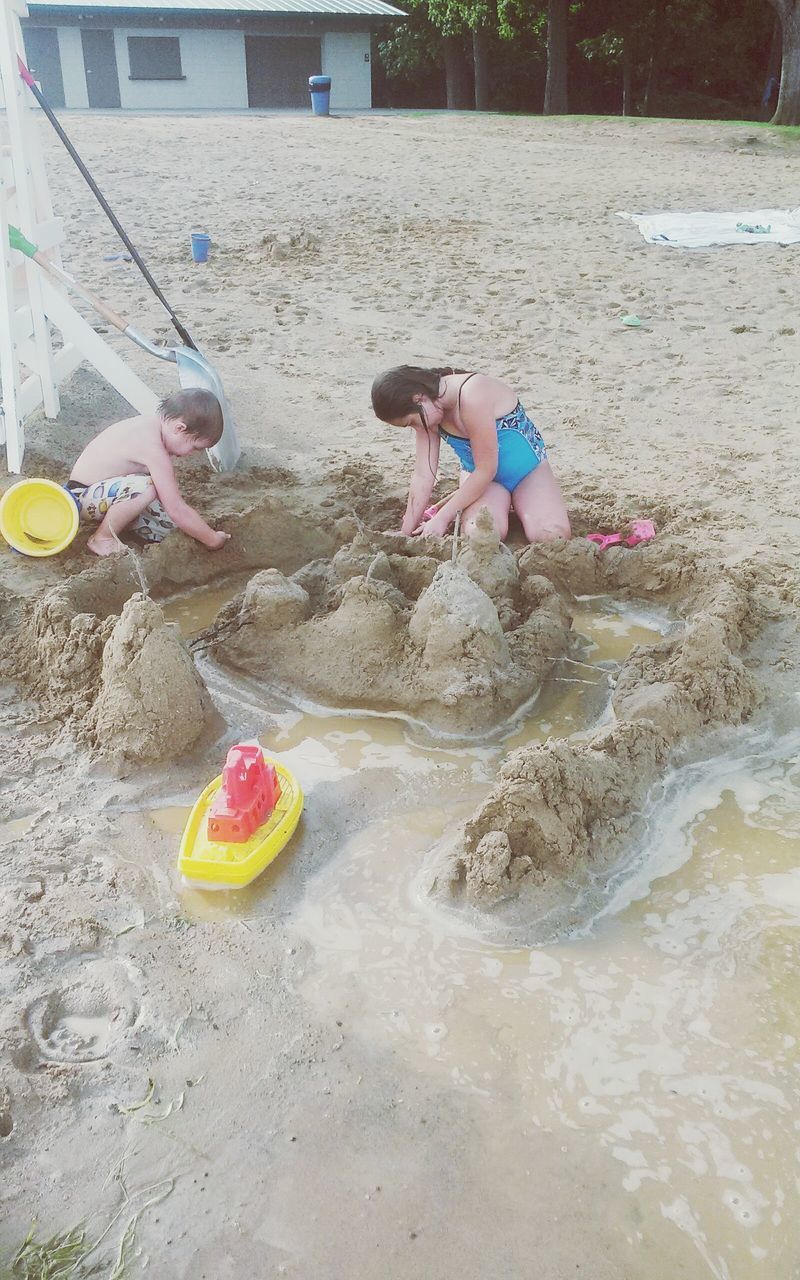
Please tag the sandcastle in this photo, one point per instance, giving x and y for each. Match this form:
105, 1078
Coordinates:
456, 641
456, 644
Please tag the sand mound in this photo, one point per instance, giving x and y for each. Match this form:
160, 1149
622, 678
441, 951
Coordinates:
127, 686
560, 811
395, 628
554, 806
266, 534
290, 243
100, 657
150, 702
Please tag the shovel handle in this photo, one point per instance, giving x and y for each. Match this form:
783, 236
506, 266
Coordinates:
102, 308
436, 506
20, 242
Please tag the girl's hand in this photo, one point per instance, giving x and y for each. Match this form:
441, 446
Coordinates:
436, 527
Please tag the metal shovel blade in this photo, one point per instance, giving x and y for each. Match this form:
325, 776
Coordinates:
195, 371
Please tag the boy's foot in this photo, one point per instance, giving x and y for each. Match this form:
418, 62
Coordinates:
103, 546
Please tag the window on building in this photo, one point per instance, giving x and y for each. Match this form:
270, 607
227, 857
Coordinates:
155, 58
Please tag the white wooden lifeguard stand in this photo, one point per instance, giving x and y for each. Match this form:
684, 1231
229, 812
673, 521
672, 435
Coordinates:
32, 365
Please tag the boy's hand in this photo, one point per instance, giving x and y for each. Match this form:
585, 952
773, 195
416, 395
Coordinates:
220, 539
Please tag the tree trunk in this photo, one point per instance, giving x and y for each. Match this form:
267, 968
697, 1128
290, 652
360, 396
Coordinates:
555, 89
788, 108
627, 73
480, 57
456, 73
651, 89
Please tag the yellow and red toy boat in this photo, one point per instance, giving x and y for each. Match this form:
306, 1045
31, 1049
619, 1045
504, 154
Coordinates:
241, 822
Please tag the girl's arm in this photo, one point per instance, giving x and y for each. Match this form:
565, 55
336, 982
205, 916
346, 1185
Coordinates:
423, 479
479, 420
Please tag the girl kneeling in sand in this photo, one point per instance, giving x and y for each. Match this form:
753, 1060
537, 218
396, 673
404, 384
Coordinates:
503, 457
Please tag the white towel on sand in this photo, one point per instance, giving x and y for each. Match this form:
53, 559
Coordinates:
699, 230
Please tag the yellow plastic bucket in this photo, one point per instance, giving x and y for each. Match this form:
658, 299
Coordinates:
38, 517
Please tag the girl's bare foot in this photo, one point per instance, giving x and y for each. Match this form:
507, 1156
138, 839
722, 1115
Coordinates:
103, 546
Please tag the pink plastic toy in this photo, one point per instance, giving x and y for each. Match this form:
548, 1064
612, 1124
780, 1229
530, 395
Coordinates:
641, 531
248, 795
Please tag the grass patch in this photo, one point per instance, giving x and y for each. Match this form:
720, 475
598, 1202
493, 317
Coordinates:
62, 1257
789, 132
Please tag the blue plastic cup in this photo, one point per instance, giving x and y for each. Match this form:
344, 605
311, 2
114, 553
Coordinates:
320, 90
201, 242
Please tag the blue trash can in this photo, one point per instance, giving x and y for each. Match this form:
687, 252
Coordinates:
320, 89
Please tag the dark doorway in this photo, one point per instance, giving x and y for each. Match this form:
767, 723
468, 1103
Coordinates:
100, 62
278, 68
44, 62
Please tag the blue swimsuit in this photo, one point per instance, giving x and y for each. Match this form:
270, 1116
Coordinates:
520, 448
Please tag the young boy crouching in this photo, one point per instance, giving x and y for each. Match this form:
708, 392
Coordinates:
125, 479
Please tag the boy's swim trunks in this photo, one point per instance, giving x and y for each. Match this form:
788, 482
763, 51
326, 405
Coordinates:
94, 500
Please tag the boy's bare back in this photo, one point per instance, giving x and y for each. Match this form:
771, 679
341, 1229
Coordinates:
125, 448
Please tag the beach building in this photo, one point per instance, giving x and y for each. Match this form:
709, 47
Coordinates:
196, 54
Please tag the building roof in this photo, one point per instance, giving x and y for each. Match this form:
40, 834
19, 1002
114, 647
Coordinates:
366, 8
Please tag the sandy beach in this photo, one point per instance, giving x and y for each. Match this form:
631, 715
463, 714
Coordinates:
520, 997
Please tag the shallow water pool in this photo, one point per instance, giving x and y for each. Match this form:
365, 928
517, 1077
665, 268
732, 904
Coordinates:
664, 1027
667, 1029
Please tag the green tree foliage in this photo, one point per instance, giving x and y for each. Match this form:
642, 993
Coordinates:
681, 57
706, 58
413, 46
454, 17
413, 54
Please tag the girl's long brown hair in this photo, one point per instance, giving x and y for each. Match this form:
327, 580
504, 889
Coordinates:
393, 391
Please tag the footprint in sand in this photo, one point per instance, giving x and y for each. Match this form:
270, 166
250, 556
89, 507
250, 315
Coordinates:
85, 1017
14, 828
